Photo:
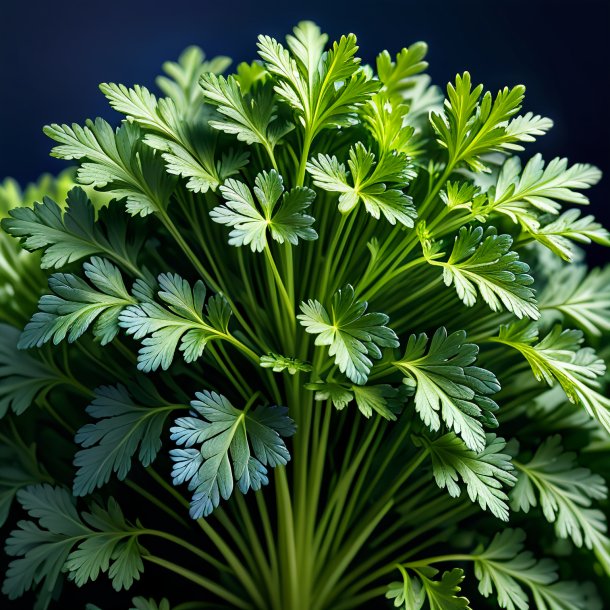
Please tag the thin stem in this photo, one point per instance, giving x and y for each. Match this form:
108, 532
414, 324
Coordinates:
207, 584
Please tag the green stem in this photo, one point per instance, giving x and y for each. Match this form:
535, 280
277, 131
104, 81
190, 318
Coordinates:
207, 584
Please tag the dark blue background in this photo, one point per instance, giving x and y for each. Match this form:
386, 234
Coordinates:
53, 55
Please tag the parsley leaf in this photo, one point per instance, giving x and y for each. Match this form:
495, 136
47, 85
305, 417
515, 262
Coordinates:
353, 336
282, 363
483, 260
471, 126
560, 357
566, 492
82, 545
72, 233
123, 427
235, 446
581, 296
448, 387
75, 305
286, 222
181, 321
539, 188
368, 183
117, 162
483, 473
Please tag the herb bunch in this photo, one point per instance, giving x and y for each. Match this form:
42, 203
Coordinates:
309, 336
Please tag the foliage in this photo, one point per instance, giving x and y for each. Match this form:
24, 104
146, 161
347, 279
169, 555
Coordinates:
319, 332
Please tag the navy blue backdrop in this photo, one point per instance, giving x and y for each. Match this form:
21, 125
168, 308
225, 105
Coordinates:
53, 54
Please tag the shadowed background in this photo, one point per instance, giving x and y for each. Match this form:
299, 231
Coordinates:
53, 54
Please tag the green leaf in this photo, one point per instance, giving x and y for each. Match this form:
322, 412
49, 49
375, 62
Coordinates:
116, 162
236, 446
471, 125
539, 188
396, 75
560, 357
182, 81
82, 545
507, 568
558, 235
23, 376
251, 117
484, 473
323, 88
448, 387
186, 143
382, 399
141, 603
369, 183
180, 321
482, 261
581, 296
20, 466
566, 492
73, 233
75, 305
421, 586
282, 363
353, 336
123, 427
286, 222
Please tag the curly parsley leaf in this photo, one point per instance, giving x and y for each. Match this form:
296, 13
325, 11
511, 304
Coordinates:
128, 421
69, 234
448, 387
353, 336
178, 324
251, 117
559, 234
81, 545
75, 305
282, 214
484, 473
23, 376
369, 183
235, 448
482, 260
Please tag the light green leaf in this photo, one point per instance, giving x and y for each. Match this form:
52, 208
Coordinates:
484, 473
116, 162
581, 296
449, 387
368, 184
566, 492
283, 363
560, 357
538, 188
353, 336
482, 261
284, 218
179, 321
